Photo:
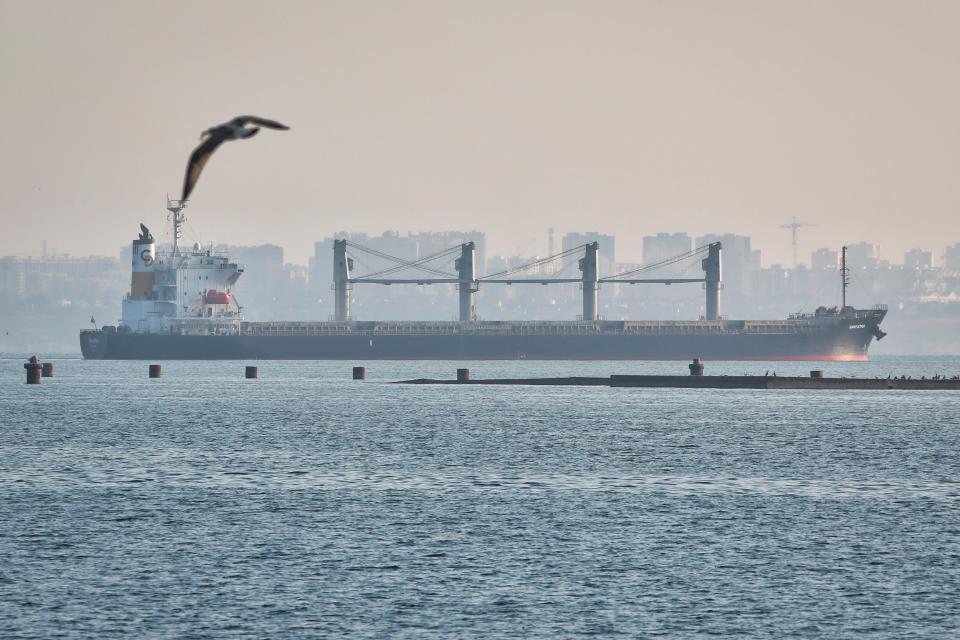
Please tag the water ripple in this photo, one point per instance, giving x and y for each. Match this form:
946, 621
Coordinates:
307, 505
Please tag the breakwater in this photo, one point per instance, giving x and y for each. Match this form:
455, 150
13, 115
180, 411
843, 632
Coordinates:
721, 382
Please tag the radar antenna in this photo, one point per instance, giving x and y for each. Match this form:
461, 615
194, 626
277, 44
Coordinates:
176, 207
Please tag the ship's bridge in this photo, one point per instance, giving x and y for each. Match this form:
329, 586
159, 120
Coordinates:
176, 285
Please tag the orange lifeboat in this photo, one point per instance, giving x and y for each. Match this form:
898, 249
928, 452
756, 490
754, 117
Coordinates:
217, 297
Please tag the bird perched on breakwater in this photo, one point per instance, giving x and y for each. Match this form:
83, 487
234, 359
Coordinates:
214, 137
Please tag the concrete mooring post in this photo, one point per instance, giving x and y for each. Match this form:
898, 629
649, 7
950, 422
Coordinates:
463, 375
33, 368
153, 371
359, 373
251, 373
46, 370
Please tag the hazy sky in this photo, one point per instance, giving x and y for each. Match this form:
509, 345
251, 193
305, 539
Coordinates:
509, 117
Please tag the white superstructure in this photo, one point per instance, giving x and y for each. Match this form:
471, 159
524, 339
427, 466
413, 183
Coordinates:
185, 292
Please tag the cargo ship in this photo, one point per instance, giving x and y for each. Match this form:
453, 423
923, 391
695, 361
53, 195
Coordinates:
180, 306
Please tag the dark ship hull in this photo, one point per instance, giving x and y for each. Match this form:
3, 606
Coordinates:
837, 337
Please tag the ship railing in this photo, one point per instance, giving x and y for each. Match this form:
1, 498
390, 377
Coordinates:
780, 326
865, 313
421, 328
295, 328
681, 327
672, 328
204, 326
557, 328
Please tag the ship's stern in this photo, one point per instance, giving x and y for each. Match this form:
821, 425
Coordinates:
93, 344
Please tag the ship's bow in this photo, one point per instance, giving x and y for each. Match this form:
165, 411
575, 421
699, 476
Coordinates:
863, 325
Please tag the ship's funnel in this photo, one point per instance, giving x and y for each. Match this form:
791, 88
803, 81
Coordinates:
143, 254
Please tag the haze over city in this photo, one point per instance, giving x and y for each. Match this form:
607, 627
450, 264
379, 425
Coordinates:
626, 117
479, 319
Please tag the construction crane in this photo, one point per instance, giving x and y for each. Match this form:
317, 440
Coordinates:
794, 227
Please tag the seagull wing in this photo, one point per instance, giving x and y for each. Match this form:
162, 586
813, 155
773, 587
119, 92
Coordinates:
198, 159
263, 122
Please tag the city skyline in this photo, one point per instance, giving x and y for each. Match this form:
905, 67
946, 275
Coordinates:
538, 246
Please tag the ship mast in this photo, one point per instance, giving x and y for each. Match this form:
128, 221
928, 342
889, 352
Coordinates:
844, 276
176, 207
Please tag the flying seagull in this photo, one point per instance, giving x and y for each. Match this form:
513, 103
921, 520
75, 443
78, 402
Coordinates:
214, 137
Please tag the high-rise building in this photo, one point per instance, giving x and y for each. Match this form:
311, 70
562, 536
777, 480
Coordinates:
260, 287
431, 242
59, 276
863, 255
918, 259
607, 251
824, 259
65, 292
664, 246
951, 257
741, 263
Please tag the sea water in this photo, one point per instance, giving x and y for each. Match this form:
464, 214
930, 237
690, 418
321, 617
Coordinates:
305, 504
